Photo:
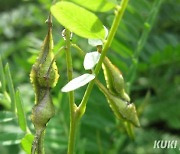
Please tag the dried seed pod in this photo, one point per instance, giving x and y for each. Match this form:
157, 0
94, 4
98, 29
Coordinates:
114, 80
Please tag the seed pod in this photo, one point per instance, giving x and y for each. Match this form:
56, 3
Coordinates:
43, 76
42, 64
123, 110
41, 114
118, 99
43, 111
114, 80
44, 73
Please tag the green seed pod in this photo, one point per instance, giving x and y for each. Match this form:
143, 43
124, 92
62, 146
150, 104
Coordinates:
114, 80
123, 110
43, 112
41, 72
47, 74
43, 76
44, 73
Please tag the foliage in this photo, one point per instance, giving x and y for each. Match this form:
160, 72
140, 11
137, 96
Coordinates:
154, 90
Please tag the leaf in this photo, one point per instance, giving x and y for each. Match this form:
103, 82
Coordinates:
91, 59
78, 82
6, 116
7, 138
96, 5
5, 100
121, 49
10, 87
20, 112
78, 20
2, 76
96, 42
26, 143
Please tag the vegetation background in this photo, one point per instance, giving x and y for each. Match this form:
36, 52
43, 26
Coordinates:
155, 89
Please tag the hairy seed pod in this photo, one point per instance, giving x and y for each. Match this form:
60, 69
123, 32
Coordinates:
114, 80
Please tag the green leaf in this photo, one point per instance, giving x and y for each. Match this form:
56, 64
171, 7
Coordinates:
96, 5
78, 20
20, 112
7, 138
96, 42
78, 82
26, 143
6, 116
10, 87
121, 49
2, 76
5, 100
91, 59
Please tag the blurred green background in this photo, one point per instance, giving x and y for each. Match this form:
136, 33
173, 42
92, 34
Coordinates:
147, 55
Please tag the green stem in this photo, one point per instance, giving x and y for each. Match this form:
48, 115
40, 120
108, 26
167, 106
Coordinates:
101, 87
80, 51
73, 122
38, 143
41, 143
99, 143
2, 76
118, 16
10, 87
